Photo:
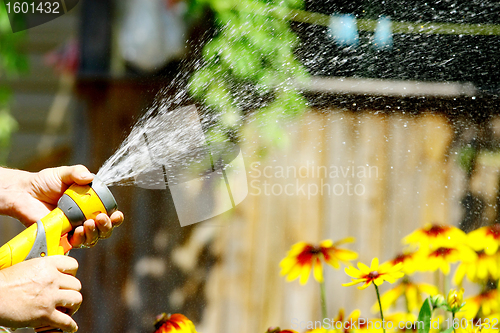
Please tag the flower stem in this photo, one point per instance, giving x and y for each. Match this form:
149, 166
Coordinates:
323, 299
453, 320
380, 306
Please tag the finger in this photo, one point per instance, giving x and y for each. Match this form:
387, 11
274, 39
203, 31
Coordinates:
64, 264
91, 233
69, 301
104, 225
47, 329
75, 174
69, 282
63, 321
78, 237
117, 218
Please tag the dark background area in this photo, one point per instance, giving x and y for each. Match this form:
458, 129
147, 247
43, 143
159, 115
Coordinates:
422, 57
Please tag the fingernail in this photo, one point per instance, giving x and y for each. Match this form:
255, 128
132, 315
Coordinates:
86, 175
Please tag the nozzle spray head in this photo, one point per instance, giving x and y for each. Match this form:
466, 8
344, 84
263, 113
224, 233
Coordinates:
105, 195
83, 202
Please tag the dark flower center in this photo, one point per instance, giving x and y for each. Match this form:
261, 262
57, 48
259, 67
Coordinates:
436, 230
442, 252
315, 249
494, 230
373, 275
401, 258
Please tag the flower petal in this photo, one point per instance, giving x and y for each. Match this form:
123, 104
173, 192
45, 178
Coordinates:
363, 268
353, 282
304, 274
353, 272
378, 281
365, 285
294, 273
345, 241
318, 270
374, 265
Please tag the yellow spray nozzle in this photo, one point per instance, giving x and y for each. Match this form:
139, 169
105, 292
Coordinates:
49, 235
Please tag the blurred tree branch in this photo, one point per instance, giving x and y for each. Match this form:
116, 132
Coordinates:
12, 62
250, 65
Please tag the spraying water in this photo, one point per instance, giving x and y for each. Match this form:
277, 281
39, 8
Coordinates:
170, 139
168, 148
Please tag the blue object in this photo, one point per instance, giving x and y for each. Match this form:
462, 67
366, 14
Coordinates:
344, 30
382, 38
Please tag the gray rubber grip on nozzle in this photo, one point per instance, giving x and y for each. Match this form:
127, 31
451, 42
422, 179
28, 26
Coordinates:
105, 195
72, 211
39, 247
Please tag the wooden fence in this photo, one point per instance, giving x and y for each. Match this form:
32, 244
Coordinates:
414, 179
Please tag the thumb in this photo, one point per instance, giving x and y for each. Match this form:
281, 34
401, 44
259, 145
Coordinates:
75, 174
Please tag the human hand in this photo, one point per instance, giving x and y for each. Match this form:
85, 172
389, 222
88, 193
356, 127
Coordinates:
41, 292
34, 195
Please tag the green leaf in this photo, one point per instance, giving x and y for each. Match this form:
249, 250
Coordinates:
5, 95
199, 82
448, 330
212, 50
219, 97
261, 40
466, 157
424, 316
243, 62
296, 4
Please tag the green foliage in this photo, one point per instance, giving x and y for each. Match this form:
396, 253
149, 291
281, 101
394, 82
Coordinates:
11, 63
466, 157
250, 59
7, 125
424, 316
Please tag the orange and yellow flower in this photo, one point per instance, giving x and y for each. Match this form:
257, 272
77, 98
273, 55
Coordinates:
442, 256
413, 293
431, 234
485, 239
409, 260
303, 257
455, 299
375, 273
352, 318
486, 301
481, 267
175, 323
